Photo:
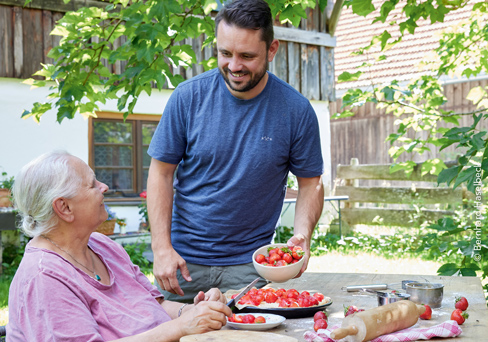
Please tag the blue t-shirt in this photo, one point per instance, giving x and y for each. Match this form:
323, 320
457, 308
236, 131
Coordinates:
233, 160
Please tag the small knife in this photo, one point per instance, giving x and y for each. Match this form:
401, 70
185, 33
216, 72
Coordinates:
232, 303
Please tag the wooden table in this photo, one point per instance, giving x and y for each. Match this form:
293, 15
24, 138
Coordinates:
475, 329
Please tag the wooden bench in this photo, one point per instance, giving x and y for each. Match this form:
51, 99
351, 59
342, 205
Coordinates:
393, 205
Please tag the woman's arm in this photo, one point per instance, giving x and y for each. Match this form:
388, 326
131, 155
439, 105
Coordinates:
198, 319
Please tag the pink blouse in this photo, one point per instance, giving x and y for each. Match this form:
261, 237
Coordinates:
51, 299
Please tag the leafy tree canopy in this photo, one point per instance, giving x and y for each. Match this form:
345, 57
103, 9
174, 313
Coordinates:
462, 52
153, 31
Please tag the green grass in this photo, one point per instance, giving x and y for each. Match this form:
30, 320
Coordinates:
4, 287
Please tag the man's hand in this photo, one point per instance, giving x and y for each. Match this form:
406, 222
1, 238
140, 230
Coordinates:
310, 201
300, 240
165, 265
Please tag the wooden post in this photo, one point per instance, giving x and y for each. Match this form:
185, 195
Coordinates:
351, 182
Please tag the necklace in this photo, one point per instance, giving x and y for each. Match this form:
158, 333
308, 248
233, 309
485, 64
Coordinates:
96, 276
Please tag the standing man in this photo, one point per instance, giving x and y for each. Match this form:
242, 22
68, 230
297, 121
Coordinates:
234, 133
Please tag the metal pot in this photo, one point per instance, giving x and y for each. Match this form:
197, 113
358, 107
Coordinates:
426, 293
387, 298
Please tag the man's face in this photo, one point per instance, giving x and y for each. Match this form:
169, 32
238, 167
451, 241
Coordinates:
243, 59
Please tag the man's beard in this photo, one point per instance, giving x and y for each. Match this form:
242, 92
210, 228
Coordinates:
254, 81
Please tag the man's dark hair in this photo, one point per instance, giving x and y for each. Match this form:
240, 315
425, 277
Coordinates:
248, 14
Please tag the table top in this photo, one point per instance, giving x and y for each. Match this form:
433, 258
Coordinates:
475, 329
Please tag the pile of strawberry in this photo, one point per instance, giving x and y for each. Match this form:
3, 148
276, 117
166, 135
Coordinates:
459, 314
248, 319
285, 298
280, 256
320, 320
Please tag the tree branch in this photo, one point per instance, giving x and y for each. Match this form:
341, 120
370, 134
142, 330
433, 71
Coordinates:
100, 53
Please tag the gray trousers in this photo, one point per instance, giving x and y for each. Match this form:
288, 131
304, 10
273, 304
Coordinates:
206, 277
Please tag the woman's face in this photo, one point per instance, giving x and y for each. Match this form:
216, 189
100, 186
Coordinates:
88, 205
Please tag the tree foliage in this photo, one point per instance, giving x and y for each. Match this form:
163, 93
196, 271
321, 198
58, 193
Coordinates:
462, 52
154, 33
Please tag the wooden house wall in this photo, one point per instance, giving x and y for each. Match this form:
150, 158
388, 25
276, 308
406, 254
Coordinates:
25, 40
363, 135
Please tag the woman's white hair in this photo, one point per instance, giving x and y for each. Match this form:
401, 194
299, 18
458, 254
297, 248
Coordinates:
38, 184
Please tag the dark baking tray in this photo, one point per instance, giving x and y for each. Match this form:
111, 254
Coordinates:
286, 312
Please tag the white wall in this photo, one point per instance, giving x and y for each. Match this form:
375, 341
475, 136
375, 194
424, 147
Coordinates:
21, 140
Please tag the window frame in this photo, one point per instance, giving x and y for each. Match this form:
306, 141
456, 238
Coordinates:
137, 167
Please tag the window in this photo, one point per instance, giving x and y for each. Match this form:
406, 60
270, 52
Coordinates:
118, 152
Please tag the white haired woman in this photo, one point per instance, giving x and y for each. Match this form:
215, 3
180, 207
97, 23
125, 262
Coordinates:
77, 285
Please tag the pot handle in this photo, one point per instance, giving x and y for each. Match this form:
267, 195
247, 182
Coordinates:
357, 288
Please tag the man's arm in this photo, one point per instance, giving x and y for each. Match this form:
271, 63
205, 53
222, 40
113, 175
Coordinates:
160, 206
308, 209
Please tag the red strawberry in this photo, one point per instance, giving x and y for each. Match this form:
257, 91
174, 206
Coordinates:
320, 324
461, 303
427, 314
459, 316
319, 315
349, 310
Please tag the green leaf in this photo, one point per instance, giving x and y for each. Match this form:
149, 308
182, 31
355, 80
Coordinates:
322, 5
384, 39
65, 112
407, 167
386, 8
433, 166
468, 272
60, 31
454, 119
466, 175
476, 94
484, 162
448, 175
362, 7
293, 14
209, 6
343, 114
477, 141
389, 93
209, 64
448, 269
347, 76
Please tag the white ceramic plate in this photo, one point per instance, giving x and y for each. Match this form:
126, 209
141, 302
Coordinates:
272, 321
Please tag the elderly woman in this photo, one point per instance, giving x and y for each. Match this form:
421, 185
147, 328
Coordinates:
77, 285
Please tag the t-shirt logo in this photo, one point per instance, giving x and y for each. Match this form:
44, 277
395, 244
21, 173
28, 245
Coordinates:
265, 138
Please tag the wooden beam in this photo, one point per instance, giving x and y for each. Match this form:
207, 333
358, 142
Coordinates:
55, 5
401, 195
304, 37
391, 217
382, 171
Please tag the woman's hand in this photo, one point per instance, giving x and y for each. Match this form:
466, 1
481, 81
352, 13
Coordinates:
204, 317
213, 294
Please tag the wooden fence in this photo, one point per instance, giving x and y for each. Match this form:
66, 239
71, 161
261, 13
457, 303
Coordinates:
363, 136
394, 205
